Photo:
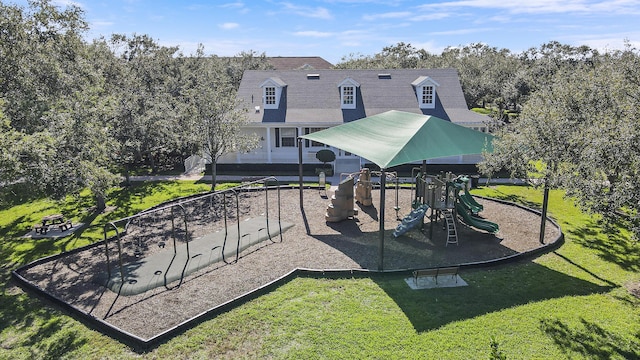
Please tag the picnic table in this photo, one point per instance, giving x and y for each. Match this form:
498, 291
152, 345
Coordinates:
51, 221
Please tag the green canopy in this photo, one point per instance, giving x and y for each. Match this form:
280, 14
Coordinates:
397, 137
394, 138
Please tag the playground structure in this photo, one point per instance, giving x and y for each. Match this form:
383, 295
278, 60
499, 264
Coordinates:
342, 201
341, 206
364, 187
158, 248
442, 194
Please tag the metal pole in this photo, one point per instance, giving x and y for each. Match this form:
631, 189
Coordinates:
383, 178
300, 180
543, 221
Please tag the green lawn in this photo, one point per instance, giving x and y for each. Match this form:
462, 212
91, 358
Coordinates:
568, 304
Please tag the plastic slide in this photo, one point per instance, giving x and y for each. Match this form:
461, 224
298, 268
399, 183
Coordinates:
471, 199
410, 221
476, 222
470, 203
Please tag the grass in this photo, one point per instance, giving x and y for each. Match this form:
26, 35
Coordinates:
571, 303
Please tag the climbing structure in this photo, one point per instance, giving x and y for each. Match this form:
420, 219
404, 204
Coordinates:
341, 206
452, 233
363, 188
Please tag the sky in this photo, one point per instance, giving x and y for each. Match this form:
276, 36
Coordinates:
334, 29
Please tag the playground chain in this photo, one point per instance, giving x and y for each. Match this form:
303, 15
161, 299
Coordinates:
350, 244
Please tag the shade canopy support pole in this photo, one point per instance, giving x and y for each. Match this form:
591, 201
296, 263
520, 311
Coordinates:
383, 185
543, 221
300, 180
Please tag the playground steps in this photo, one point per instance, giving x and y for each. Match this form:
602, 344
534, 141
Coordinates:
452, 233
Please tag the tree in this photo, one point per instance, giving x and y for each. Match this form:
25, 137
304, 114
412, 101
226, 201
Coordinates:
145, 80
245, 60
213, 112
605, 179
580, 132
399, 56
53, 103
325, 156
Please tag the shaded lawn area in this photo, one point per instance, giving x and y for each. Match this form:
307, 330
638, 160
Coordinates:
572, 303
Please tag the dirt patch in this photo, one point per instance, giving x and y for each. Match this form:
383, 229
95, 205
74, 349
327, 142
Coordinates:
634, 289
311, 243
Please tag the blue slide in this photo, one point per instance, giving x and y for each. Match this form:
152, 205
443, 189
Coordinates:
410, 221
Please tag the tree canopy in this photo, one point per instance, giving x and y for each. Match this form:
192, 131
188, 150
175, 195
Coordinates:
77, 114
581, 132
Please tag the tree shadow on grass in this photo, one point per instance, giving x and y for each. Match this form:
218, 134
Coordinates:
17, 194
611, 245
488, 291
590, 340
39, 327
124, 198
17, 250
516, 199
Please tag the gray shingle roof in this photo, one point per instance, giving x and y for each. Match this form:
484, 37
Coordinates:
299, 62
316, 100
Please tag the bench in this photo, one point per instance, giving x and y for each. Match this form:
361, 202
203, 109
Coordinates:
41, 229
453, 271
65, 226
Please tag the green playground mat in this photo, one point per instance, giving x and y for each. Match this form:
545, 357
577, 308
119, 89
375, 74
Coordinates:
167, 266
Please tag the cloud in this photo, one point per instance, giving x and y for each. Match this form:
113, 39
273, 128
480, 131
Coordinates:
389, 15
314, 34
228, 26
541, 6
307, 11
429, 46
238, 6
233, 5
67, 3
409, 16
461, 31
606, 42
101, 23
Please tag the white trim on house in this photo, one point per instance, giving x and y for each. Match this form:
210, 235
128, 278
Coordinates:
348, 93
272, 92
425, 92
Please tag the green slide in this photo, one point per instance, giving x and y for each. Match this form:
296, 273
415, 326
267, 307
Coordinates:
470, 203
471, 200
476, 222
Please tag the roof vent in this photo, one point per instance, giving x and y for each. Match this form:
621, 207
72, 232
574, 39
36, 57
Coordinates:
313, 76
384, 76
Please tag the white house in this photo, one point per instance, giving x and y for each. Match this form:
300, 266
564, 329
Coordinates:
284, 104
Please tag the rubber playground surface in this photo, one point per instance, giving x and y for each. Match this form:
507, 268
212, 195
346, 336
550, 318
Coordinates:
175, 263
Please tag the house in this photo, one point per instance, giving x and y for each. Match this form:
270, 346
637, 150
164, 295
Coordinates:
285, 104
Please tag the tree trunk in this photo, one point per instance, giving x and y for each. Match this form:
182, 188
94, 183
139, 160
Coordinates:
152, 163
101, 203
127, 176
213, 175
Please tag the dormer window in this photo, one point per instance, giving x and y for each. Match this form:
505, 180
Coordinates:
271, 92
425, 92
348, 93
269, 95
426, 97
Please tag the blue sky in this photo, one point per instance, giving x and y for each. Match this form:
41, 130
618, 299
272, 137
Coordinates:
336, 28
